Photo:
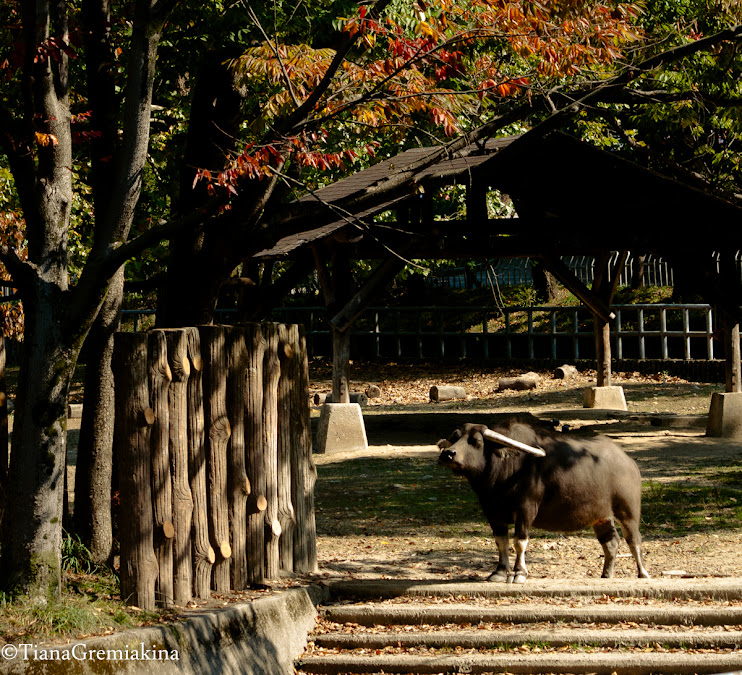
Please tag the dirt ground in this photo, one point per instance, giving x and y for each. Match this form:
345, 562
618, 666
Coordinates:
666, 454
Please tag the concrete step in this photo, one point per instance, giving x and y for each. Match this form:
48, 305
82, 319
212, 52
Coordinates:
596, 626
554, 638
634, 663
705, 588
417, 614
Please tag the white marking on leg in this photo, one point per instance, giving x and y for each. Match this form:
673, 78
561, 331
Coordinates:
520, 569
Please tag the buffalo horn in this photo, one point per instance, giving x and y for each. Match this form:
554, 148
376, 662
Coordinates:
504, 440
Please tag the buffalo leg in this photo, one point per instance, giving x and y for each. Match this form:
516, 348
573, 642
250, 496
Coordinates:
607, 535
520, 571
634, 540
503, 564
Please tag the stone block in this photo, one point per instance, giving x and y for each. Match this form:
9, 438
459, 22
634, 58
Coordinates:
341, 428
606, 398
725, 416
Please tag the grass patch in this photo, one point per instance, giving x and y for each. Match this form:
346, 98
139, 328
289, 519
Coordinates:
90, 604
396, 497
680, 508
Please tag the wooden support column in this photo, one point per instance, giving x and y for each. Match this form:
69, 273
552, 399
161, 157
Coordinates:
733, 361
337, 283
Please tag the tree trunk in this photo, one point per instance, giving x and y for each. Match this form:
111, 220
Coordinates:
94, 471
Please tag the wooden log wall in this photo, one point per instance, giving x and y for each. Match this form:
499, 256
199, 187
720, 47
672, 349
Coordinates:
216, 473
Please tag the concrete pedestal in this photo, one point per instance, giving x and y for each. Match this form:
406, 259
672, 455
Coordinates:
725, 416
341, 428
606, 398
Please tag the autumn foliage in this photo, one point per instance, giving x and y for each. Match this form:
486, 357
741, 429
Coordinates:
439, 66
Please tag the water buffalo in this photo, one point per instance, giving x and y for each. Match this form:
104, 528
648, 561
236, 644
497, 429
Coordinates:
526, 474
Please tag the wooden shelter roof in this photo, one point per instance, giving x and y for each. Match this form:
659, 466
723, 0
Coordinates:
570, 197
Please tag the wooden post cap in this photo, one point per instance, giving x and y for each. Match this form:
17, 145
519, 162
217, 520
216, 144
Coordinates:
168, 529
211, 556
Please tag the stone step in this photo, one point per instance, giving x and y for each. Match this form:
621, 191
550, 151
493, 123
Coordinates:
553, 638
708, 588
625, 662
417, 614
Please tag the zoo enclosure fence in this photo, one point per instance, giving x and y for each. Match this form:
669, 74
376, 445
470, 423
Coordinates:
639, 332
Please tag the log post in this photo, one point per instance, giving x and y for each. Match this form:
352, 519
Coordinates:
303, 470
256, 502
732, 361
271, 374
159, 382
286, 384
180, 367
239, 485
603, 351
214, 352
132, 432
203, 554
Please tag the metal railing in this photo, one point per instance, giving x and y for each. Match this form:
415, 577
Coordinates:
677, 332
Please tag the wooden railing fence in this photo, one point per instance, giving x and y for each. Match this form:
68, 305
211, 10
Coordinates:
216, 478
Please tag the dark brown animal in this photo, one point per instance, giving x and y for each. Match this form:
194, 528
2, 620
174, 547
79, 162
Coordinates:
527, 475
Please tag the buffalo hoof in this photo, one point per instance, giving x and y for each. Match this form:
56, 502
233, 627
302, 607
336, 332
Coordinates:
519, 579
498, 577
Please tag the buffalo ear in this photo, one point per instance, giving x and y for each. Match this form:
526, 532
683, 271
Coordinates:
500, 451
444, 443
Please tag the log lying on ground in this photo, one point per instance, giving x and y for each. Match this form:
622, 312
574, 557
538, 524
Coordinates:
446, 393
565, 372
373, 391
355, 397
519, 383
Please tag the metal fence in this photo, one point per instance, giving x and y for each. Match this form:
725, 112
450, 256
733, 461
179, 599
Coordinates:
518, 272
639, 332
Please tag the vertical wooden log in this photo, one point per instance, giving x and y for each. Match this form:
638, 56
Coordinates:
303, 470
203, 554
162, 492
286, 384
603, 351
239, 485
732, 361
132, 435
256, 502
214, 352
271, 374
340, 366
180, 367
